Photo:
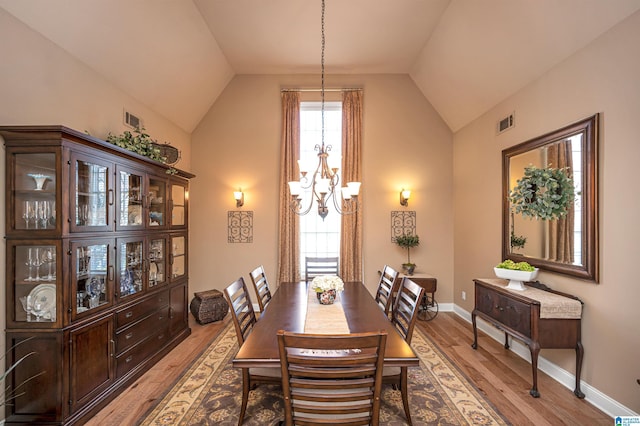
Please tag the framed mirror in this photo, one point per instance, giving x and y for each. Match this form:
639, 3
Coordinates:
568, 244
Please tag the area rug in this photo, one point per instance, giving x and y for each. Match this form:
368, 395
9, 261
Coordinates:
210, 393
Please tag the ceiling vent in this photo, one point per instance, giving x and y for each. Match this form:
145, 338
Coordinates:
506, 123
132, 120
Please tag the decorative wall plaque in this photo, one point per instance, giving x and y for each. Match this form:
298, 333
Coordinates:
402, 223
240, 227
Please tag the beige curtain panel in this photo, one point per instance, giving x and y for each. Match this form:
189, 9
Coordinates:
561, 239
351, 233
289, 225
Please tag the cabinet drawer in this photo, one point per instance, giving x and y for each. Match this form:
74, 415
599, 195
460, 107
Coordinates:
511, 313
139, 310
128, 360
138, 332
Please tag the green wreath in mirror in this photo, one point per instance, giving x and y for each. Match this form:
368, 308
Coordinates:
543, 193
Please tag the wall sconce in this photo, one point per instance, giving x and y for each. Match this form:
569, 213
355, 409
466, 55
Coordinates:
405, 194
239, 196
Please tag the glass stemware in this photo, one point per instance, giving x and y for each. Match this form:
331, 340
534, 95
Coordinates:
37, 309
29, 264
31, 213
43, 213
37, 263
49, 257
25, 213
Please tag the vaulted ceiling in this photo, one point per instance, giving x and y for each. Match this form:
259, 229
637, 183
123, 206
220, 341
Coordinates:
176, 56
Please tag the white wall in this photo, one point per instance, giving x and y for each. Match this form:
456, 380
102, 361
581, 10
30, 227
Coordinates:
602, 78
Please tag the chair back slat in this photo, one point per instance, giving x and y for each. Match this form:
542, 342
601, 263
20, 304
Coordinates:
386, 288
332, 379
244, 318
261, 286
405, 308
317, 266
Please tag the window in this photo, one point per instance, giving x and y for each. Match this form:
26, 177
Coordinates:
576, 148
319, 237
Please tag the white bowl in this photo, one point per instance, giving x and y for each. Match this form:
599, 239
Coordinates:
516, 278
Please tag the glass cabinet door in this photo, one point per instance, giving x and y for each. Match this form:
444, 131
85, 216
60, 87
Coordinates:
179, 198
178, 257
130, 266
91, 275
157, 262
34, 192
129, 200
35, 282
92, 195
157, 196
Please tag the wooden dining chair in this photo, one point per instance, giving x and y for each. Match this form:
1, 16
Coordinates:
403, 317
332, 379
261, 286
317, 266
386, 288
244, 319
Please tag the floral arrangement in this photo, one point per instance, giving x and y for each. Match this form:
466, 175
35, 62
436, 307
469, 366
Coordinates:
543, 193
327, 282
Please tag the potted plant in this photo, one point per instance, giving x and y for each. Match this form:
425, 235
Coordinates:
141, 143
518, 241
407, 242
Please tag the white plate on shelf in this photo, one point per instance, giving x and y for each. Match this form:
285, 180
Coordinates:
45, 294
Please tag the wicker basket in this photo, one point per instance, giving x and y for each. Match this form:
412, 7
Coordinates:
209, 306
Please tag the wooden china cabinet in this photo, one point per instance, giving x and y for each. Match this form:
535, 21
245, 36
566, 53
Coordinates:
96, 276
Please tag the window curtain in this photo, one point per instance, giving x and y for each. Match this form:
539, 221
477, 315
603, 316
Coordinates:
561, 239
289, 224
351, 225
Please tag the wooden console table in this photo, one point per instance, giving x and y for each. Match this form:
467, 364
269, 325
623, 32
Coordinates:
540, 317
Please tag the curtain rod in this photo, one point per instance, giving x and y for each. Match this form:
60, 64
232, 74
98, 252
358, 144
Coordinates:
319, 90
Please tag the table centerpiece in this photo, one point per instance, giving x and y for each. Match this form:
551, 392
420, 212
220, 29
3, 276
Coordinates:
327, 287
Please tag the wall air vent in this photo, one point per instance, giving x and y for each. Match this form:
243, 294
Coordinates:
506, 123
132, 120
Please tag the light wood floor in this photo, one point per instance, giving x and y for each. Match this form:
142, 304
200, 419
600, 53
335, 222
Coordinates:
502, 376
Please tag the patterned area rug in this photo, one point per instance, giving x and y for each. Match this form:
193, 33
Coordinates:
210, 392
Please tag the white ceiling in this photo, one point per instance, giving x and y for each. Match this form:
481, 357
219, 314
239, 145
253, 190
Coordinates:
176, 56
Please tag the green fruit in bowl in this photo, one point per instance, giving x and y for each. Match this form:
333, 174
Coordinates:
520, 266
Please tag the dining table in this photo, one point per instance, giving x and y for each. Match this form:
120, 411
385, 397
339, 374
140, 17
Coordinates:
287, 311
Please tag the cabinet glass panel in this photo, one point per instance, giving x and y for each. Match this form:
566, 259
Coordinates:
178, 211
91, 194
91, 262
130, 267
178, 257
36, 283
130, 199
35, 191
157, 262
157, 202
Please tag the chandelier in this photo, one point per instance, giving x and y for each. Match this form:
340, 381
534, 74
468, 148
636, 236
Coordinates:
324, 180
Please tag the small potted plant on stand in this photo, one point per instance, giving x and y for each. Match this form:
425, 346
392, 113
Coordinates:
408, 241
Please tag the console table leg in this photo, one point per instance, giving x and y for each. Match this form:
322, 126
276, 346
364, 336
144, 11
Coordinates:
579, 355
535, 350
474, 345
506, 340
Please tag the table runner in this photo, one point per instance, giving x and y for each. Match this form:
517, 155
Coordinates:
325, 319
551, 305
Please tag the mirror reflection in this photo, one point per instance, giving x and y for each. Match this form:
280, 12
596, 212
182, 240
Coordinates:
563, 238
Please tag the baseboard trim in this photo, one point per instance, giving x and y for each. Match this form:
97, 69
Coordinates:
564, 377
